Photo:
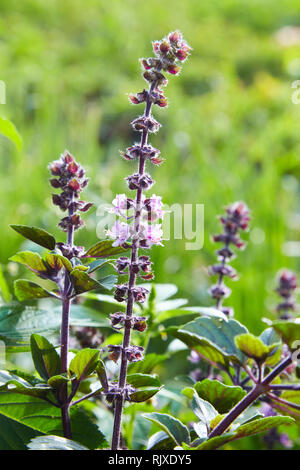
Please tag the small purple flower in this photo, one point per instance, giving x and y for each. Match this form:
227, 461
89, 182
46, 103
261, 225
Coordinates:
120, 232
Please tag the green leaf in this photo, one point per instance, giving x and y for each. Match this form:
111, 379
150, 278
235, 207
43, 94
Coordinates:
204, 410
171, 426
253, 347
144, 394
36, 235
147, 365
143, 380
46, 359
104, 248
222, 397
97, 264
58, 262
270, 337
108, 282
8, 129
84, 363
46, 418
213, 338
160, 441
14, 435
27, 290
102, 375
31, 260
249, 429
4, 289
82, 282
288, 330
10, 382
54, 443
56, 381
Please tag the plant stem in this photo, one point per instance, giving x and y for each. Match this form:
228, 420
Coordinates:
131, 284
250, 398
66, 304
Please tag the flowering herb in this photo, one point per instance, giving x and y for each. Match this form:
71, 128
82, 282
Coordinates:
139, 217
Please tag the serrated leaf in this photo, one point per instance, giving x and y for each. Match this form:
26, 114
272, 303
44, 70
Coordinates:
14, 435
104, 248
84, 363
222, 397
36, 235
250, 429
45, 357
54, 443
46, 418
253, 347
27, 290
170, 425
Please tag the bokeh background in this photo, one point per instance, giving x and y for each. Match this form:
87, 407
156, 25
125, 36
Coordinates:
231, 131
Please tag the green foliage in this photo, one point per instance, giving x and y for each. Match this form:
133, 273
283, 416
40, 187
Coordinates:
54, 443
222, 397
254, 347
171, 426
14, 435
37, 235
28, 290
84, 363
45, 357
104, 248
8, 129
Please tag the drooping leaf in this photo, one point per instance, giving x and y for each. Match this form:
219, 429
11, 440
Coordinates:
45, 357
104, 249
288, 330
253, 347
31, 260
10, 382
160, 441
8, 129
222, 397
213, 338
36, 235
204, 410
54, 443
171, 426
102, 375
84, 363
46, 418
27, 290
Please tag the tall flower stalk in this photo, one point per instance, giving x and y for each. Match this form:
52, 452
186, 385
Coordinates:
70, 179
140, 213
235, 220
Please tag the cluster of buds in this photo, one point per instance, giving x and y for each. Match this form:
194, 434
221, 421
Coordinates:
287, 284
70, 179
147, 152
132, 353
88, 337
235, 220
141, 267
119, 320
114, 390
139, 293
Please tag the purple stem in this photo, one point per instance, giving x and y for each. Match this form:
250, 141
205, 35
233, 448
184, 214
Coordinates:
66, 303
250, 398
130, 300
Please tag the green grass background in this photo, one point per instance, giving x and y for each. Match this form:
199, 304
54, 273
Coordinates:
231, 131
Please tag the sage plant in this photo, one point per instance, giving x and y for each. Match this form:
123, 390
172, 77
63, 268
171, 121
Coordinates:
139, 216
235, 220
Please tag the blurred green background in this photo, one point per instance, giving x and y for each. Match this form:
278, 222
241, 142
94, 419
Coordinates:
231, 131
